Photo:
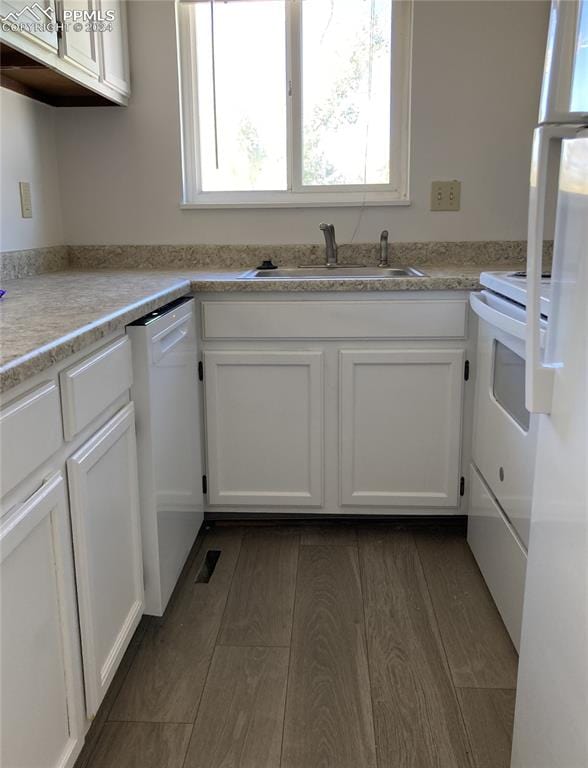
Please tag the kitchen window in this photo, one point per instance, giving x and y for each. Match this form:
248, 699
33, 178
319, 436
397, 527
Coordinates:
294, 102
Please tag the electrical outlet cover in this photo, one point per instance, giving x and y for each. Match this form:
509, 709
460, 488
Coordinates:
446, 195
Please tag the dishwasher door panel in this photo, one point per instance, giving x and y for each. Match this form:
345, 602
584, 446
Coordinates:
165, 391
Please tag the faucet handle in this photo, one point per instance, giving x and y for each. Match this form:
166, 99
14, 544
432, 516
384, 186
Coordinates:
383, 262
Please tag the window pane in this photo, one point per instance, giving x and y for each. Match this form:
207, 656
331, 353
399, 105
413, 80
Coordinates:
579, 101
346, 91
250, 64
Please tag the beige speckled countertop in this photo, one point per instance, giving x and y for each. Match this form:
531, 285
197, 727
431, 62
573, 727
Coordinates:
46, 318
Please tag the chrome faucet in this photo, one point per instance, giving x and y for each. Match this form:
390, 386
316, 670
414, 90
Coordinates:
383, 249
331, 249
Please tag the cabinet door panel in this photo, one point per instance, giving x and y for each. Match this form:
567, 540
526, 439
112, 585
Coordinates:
107, 545
35, 19
400, 427
264, 428
80, 40
114, 46
41, 707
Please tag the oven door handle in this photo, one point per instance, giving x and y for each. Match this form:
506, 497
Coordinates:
496, 318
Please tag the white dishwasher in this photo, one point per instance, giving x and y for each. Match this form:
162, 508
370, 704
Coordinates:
167, 406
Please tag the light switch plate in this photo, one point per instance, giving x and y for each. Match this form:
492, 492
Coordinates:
26, 204
446, 195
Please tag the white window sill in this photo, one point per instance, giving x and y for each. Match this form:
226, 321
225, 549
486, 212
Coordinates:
211, 200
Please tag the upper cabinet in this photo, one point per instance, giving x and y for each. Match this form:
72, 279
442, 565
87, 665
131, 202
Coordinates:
66, 53
36, 21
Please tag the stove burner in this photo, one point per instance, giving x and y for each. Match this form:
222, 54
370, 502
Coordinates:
544, 275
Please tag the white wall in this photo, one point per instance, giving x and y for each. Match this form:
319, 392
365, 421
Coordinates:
476, 77
28, 152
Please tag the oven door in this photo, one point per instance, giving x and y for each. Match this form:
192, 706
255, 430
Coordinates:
505, 433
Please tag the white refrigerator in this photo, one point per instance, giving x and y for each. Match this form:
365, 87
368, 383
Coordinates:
551, 716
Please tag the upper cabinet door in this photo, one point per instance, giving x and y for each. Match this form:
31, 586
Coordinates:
114, 47
41, 709
400, 427
264, 428
80, 36
36, 20
107, 545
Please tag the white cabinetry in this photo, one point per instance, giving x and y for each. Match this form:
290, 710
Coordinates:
41, 687
264, 427
80, 38
91, 385
400, 427
348, 405
30, 431
107, 545
35, 17
91, 51
114, 50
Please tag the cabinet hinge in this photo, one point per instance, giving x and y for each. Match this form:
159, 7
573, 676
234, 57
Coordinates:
204, 485
461, 486
466, 370
200, 370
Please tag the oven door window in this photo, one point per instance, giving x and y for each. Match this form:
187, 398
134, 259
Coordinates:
509, 384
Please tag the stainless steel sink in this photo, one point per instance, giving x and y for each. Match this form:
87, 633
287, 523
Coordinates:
331, 273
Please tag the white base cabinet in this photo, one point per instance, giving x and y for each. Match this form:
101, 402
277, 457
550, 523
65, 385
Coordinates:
400, 427
334, 406
41, 685
71, 580
107, 543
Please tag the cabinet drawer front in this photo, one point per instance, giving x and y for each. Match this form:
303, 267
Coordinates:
499, 554
30, 432
89, 387
426, 319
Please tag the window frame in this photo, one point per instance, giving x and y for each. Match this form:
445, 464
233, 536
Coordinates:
396, 192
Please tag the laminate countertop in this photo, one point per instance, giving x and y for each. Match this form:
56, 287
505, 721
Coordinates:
46, 318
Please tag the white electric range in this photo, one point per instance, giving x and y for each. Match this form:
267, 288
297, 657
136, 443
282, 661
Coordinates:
504, 440
513, 286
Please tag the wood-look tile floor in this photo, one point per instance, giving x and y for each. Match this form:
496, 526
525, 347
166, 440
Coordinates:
317, 647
